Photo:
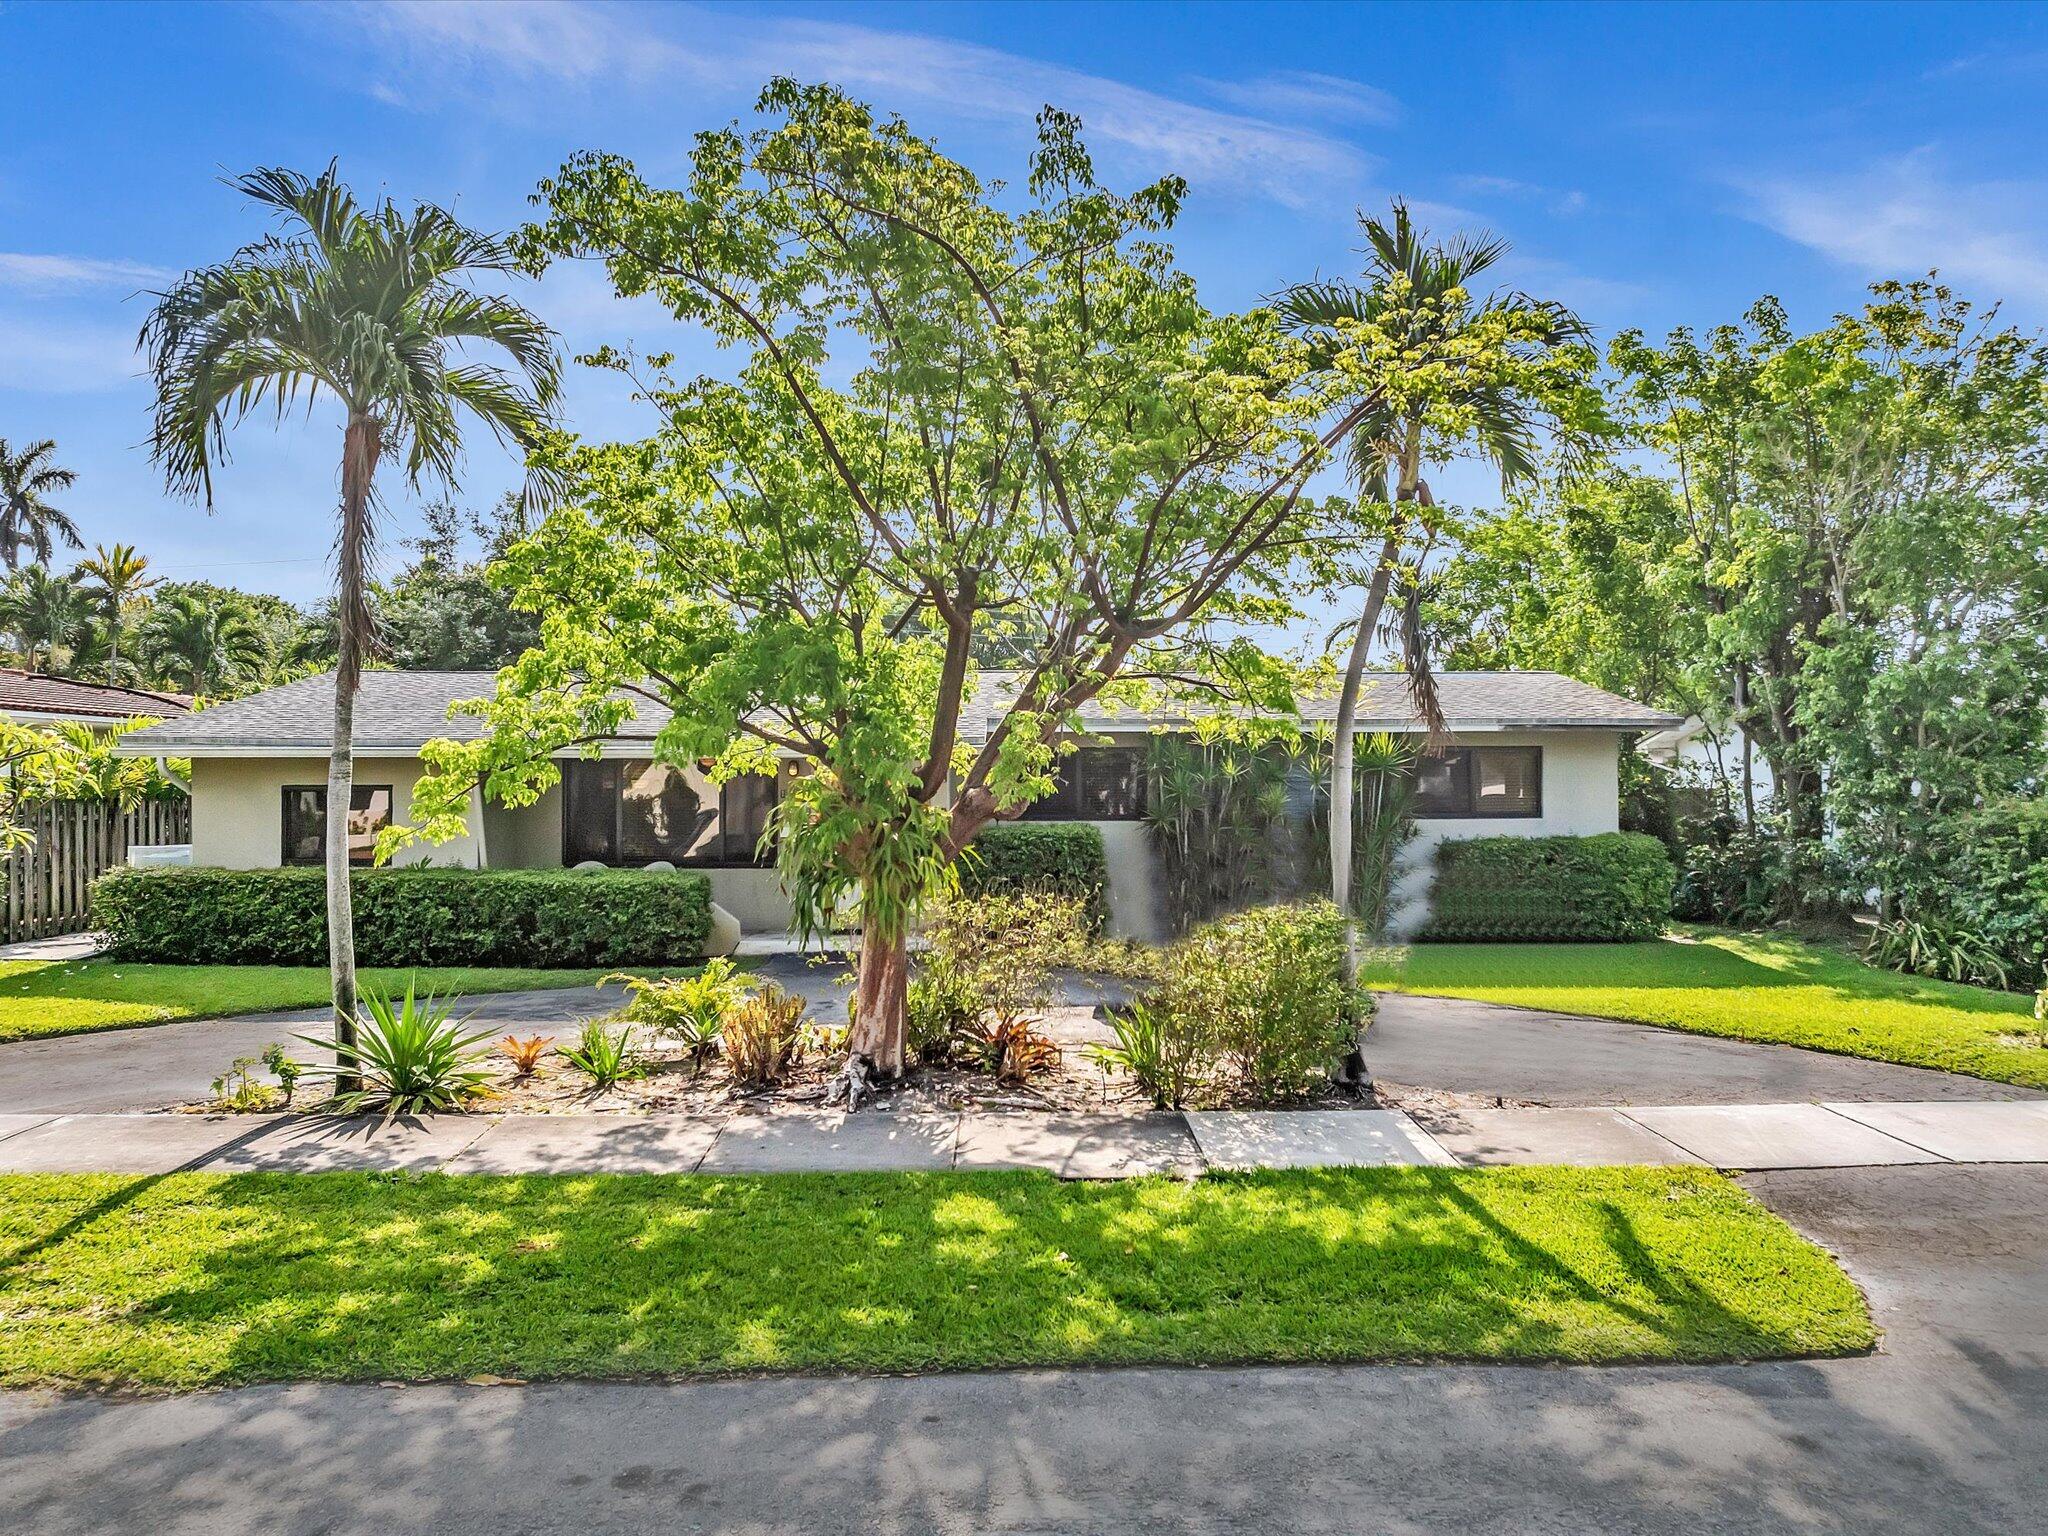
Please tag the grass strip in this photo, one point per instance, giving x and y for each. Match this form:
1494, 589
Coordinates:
191, 1280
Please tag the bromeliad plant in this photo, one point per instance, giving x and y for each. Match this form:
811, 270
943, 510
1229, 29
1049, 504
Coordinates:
1938, 947
524, 1054
410, 1057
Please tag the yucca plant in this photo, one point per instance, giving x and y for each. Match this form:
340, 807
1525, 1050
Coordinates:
764, 1035
408, 1057
1166, 1053
605, 1055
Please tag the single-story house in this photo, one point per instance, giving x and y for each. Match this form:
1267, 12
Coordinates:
1531, 753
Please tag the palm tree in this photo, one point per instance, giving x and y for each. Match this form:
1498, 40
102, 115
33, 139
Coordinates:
202, 647
48, 614
27, 519
363, 305
1420, 294
116, 576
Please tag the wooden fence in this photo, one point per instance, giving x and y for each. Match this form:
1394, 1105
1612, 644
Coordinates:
76, 842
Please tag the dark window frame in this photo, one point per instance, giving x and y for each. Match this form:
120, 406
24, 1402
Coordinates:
1073, 791
572, 854
286, 860
1469, 756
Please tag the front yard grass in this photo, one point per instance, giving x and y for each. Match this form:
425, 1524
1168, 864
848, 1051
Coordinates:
1744, 986
193, 1280
41, 998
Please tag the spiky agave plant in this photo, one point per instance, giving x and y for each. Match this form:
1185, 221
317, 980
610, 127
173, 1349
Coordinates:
408, 1057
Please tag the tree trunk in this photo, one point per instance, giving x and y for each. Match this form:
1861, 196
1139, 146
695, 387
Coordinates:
879, 1002
360, 447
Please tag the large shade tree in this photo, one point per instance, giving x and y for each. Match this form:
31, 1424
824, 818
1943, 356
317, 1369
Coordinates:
1441, 371
29, 519
366, 306
949, 416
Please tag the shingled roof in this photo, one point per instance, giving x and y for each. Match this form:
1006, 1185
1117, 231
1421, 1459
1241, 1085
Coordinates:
67, 698
397, 711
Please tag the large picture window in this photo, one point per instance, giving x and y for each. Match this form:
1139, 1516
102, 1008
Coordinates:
1095, 784
305, 822
632, 812
1480, 782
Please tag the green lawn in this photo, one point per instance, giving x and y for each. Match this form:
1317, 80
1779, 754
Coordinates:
1747, 987
40, 998
192, 1280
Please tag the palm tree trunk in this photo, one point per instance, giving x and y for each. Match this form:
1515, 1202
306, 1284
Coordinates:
1343, 751
359, 467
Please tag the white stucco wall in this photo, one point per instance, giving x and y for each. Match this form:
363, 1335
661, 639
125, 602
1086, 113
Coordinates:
1581, 796
238, 808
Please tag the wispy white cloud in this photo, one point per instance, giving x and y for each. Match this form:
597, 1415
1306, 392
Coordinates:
1557, 200
587, 46
35, 273
64, 357
1903, 216
1305, 93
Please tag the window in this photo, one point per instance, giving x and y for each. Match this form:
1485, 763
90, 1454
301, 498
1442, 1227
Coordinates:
1480, 782
1095, 784
305, 822
634, 812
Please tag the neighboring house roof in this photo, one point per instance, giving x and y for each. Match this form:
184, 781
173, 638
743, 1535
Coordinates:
397, 711
32, 696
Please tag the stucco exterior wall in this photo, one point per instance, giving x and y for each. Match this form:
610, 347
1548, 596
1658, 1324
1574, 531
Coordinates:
237, 824
1581, 797
238, 808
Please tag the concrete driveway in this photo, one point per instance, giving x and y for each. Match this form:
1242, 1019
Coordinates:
1945, 1430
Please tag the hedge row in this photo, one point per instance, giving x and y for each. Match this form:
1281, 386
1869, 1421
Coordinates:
407, 916
1613, 886
1064, 857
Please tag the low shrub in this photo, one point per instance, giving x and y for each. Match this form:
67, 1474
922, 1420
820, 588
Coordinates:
524, 1054
1612, 886
1268, 986
1062, 858
692, 1009
1987, 873
986, 973
528, 917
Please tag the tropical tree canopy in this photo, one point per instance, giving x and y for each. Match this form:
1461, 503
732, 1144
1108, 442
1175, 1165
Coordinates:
29, 520
946, 415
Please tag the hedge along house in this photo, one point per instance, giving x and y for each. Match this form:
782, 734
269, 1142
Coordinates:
1530, 753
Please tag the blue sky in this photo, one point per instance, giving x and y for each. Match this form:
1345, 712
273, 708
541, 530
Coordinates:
1653, 167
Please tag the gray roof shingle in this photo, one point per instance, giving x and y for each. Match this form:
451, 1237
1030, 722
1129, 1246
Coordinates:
400, 710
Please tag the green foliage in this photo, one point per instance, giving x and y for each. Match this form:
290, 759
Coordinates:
412, 1056
1216, 811
238, 1092
689, 1009
1062, 858
605, 1055
445, 611
285, 1068
1166, 1051
763, 1036
1616, 885
29, 520
1933, 946
987, 970
1745, 877
1267, 987
407, 916
1986, 870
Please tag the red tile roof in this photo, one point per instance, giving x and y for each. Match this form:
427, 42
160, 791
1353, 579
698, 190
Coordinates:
34, 693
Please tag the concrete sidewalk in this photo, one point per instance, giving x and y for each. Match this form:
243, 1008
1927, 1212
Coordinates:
1743, 1137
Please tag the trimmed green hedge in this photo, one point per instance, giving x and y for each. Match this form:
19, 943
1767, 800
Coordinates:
528, 917
1065, 857
1613, 886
